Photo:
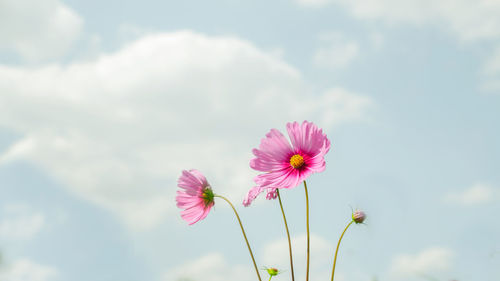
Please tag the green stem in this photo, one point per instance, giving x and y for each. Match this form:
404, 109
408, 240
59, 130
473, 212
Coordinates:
287, 234
337, 250
244, 234
308, 236
270, 277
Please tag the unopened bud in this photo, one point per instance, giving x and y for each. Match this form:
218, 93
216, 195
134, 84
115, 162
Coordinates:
358, 216
272, 193
272, 271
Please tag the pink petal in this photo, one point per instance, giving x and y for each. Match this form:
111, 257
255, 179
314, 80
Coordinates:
192, 180
205, 212
185, 203
287, 178
199, 176
266, 162
308, 138
251, 195
273, 150
316, 164
201, 214
190, 215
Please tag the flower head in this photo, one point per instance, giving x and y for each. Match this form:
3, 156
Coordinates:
195, 197
272, 271
285, 165
358, 216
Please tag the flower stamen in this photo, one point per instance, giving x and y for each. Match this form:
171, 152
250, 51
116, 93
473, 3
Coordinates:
297, 161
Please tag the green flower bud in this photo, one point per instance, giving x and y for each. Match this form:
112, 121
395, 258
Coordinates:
272, 271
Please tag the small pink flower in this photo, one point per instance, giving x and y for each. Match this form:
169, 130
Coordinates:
196, 196
285, 165
358, 216
255, 191
272, 193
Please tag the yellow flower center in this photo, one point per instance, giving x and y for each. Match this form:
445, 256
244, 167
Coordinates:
296, 161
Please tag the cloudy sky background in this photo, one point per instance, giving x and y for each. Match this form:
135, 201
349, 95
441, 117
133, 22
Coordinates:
103, 103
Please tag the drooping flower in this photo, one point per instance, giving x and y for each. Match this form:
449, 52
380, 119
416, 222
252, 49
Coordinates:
195, 197
285, 165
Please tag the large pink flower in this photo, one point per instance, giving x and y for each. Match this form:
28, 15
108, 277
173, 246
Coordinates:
285, 165
195, 197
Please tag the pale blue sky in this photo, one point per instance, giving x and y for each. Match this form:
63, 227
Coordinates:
103, 103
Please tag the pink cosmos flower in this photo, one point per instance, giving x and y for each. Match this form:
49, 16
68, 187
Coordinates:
285, 165
196, 196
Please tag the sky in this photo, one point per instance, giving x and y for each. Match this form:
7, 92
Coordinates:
104, 103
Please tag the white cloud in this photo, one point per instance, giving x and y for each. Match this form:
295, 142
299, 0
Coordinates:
468, 19
20, 222
211, 267
429, 261
276, 254
27, 270
479, 193
38, 30
335, 52
118, 130
337, 106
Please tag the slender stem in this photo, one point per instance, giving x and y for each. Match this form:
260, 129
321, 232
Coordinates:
244, 234
287, 234
308, 236
270, 277
337, 250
